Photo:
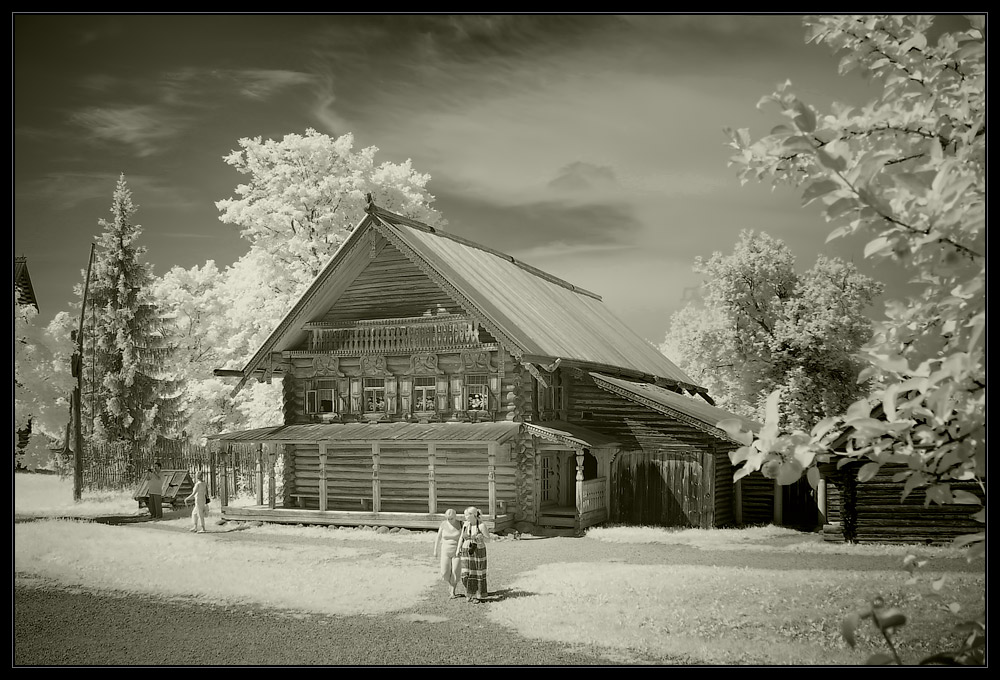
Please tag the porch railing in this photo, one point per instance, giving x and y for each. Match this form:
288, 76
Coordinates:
592, 495
394, 335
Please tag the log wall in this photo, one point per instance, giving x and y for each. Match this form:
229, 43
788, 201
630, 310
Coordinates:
758, 499
873, 511
460, 475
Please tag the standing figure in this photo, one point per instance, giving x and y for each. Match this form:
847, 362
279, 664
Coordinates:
472, 550
154, 486
200, 497
446, 545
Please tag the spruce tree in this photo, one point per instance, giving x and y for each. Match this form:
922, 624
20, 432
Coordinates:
128, 397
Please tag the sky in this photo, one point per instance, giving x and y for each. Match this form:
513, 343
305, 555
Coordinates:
589, 146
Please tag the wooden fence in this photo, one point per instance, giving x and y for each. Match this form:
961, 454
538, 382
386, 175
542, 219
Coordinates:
120, 467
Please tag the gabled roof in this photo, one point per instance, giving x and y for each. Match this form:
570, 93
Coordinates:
22, 282
694, 412
537, 317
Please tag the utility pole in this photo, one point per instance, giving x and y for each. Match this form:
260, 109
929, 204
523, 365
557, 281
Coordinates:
78, 391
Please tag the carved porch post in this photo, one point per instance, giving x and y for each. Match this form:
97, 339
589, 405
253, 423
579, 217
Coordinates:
260, 473
492, 478
579, 489
224, 456
270, 451
376, 485
431, 482
322, 475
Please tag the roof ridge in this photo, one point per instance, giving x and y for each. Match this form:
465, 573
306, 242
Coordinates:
378, 211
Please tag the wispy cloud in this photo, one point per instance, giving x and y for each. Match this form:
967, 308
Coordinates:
144, 128
580, 177
261, 84
68, 191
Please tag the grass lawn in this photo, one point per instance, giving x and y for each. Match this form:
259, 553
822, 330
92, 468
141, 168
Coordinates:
758, 596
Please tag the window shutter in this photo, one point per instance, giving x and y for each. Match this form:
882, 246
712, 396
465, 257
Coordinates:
442, 393
390, 394
457, 393
356, 405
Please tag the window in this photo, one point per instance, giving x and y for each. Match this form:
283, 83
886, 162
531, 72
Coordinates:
322, 398
424, 393
374, 395
477, 393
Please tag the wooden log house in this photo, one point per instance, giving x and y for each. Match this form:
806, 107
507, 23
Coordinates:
421, 371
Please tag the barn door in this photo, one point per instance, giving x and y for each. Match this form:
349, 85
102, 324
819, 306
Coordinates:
665, 488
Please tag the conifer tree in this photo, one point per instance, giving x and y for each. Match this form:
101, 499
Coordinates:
127, 396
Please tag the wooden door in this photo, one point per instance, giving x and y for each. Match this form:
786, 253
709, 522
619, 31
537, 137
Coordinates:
548, 481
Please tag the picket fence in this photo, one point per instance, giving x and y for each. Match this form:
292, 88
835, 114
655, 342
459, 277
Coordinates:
120, 467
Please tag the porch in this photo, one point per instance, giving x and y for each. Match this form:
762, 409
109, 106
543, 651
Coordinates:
590, 509
407, 474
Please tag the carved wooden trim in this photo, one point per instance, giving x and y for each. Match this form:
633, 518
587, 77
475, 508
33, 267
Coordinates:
326, 365
424, 364
477, 362
374, 365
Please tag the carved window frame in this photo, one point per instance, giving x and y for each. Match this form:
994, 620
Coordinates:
424, 392
319, 388
477, 384
371, 389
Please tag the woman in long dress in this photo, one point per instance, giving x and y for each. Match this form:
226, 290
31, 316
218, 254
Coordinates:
472, 549
446, 545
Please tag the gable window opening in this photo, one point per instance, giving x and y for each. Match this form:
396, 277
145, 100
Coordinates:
374, 395
424, 391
